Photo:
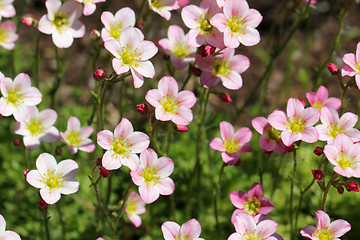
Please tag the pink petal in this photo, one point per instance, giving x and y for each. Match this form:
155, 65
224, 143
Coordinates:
31, 143
69, 187
45, 163
310, 135
50, 197
322, 219
138, 142
253, 18
32, 96
52, 7
186, 98
132, 161
278, 120
119, 67
340, 227
235, 7
232, 81
205, 63
310, 115
48, 117
238, 199
136, 220
190, 14
239, 63
245, 223
230, 159
165, 166
85, 132
226, 130
148, 157
331, 152
89, 9
5, 108
350, 60
129, 37
250, 37
73, 124
230, 39
267, 228
113, 46
161, 115
11, 235
219, 21
168, 86
348, 120
308, 231
266, 144
68, 168
311, 97
259, 124
207, 79
170, 230
77, 29
149, 194
289, 138
153, 97
62, 39
322, 93
22, 82
217, 144
35, 179
294, 107
87, 146
346, 70
166, 186
175, 33
123, 129
184, 116
243, 135
107, 18
255, 191
191, 228
20, 113
104, 139
146, 50
329, 116
136, 177
110, 161
126, 16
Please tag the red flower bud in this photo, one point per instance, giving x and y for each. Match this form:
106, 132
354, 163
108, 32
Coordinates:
42, 204
332, 68
99, 161
225, 97
206, 50
268, 152
58, 151
318, 174
99, 74
28, 21
141, 108
181, 128
289, 148
25, 172
95, 35
104, 172
319, 151
340, 190
352, 186
16, 142
303, 102
196, 71
140, 23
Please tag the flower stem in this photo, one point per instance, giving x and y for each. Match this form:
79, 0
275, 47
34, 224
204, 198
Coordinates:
326, 191
292, 197
302, 192
102, 98
37, 59
59, 76
262, 170
44, 212
217, 195
63, 226
122, 208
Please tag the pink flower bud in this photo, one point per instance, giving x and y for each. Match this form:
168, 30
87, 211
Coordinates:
332, 68
225, 97
104, 172
181, 128
289, 148
95, 35
303, 102
28, 21
99, 161
141, 108
99, 74
25, 172
183, 3
42, 204
196, 71
352, 186
206, 50
318, 174
16, 142
319, 151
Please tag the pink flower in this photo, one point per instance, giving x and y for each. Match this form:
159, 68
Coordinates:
170, 104
247, 228
53, 179
321, 99
7, 235
252, 202
122, 146
325, 229
198, 20
312, 2
61, 22
8, 34
77, 137
344, 155
89, 6
135, 206
189, 230
352, 67
332, 126
163, 7
297, 124
183, 3
7, 10
132, 53
270, 139
176, 45
238, 23
225, 67
232, 144
17, 95
37, 127
114, 25
152, 176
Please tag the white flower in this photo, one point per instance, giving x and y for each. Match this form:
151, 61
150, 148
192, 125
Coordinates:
7, 235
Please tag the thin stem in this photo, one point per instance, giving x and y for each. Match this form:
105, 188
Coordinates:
302, 192
326, 191
122, 208
153, 136
262, 170
44, 213
59, 76
217, 195
37, 59
102, 98
63, 226
292, 196
26, 157
187, 78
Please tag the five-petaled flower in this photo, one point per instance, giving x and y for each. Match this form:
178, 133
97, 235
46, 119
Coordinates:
132, 53
352, 67
169, 103
232, 144
163, 7
135, 206
37, 127
325, 229
61, 22
89, 6
17, 95
321, 99
7, 235
238, 23
7, 10
297, 124
152, 176
77, 137
190, 230
8, 34
53, 179
122, 146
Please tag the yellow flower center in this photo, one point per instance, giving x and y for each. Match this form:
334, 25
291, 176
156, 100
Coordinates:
170, 104
74, 138
53, 180
296, 125
128, 57
231, 145
157, 4
205, 26
221, 68
345, 160
150, 175
318, 105
273, 134
3, 34
182, 237
252, 206
253, 236
324, 234
15, 96
132, 206
120, 146
236, 25
180, 50
357, 67
88, 1
115, 30
335, 130
61, 21
35, 126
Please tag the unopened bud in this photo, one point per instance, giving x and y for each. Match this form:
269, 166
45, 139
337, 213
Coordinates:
196, 71
318, 174
104, 172
25, 172
303, 102
268, 152
340, 190
99, 161
290, 148
140, 23
141, 108
225, 97
28, 21
42, 204
181, 128
99, 74
352, 186
319, 151
58, 151
95, 35
16, 142
332, 68
206, 50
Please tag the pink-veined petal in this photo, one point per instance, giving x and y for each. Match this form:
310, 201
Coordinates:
165, 186
104, 139
149, 193
191, 228
50, 197
45, 163
35, 179
170, 230
217, 144
110, 161
184, 116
